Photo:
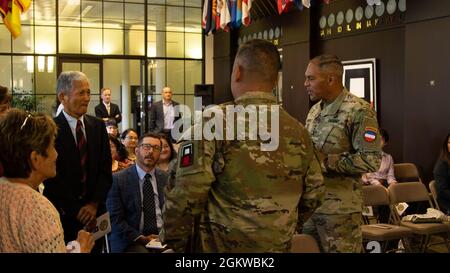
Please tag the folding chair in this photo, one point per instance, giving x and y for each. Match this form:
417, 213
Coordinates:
432, 186
414, 192
377, 195
303, 243
406, 172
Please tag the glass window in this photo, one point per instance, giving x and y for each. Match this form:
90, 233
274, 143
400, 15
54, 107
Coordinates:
113, 41
69, 40
175, 44
175, 2
91, 14
46, 103
113, 15
175, 76
45, 40
175, 19
27, 18
5, 39
71, 67
134, 42
161, 2
159, 75
193, 3
5, 71
193, 20
69, 12
45, 75
193, 46
193, 75
156, 17
151, 44
134, 16
23, 82
135, 1
25, 42
91, 41
189, 102
45, 12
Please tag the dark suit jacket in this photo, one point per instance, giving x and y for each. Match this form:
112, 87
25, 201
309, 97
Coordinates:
65, 190
101, 112
157, 117
125, 206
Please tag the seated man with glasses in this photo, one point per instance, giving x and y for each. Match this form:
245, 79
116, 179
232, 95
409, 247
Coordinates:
136, 199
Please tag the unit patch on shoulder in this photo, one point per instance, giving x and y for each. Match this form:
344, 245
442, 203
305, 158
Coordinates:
370, 134
187, 155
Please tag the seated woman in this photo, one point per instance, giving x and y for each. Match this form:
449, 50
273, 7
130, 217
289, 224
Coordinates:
167, 153
442, 177
29, 221
118, 154
129, 139
385, 174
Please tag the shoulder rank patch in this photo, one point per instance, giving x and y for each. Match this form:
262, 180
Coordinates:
187, 155
370, 134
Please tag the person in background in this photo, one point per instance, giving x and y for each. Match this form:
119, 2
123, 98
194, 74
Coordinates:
118, 154
106, 109
29, 221
5, 105
5, 100
135, 201
385, 174
162, 114
344, 130
129, 139
442, 177
111, 128
167, 153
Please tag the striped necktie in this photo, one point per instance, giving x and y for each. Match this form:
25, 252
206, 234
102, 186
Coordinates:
82, 149
148, 207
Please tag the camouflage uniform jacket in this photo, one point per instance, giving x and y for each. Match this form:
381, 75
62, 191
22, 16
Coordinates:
245, 199
347, 131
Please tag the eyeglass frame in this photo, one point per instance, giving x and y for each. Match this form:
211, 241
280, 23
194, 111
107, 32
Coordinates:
150, 147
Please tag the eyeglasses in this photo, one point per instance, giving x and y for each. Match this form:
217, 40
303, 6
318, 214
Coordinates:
25, 121
150, 147
131, 138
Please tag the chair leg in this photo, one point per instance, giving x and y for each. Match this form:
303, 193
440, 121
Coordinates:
425, 243
406, 245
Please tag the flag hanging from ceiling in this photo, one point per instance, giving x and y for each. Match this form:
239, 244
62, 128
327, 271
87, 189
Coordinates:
225, 16
284, 5
10, 11
246, 6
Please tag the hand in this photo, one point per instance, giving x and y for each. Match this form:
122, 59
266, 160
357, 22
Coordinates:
86, 241
143, 240
87, 213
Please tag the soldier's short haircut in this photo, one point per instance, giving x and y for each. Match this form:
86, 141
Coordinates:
260, 58
329, 63
66, 79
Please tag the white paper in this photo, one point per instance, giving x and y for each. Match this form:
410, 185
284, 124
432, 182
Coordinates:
102, 227
357, 87
155, 244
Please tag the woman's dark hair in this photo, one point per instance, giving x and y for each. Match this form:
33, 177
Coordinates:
384, 135
173, 154
445, 154
125, 133
121, 151
5, 97
20, 134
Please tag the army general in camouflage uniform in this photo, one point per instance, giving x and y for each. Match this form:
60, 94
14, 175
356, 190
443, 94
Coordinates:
344, 131
245, 199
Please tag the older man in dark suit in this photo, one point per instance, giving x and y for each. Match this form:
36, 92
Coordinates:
107, 110
136, 199
83, 166
162, 113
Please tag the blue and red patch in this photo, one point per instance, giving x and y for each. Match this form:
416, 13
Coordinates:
370, 134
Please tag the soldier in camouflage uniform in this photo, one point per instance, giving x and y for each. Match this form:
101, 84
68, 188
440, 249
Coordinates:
244, 199
344, 131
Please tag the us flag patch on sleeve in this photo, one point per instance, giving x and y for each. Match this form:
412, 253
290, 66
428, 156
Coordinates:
187, 155
370, 134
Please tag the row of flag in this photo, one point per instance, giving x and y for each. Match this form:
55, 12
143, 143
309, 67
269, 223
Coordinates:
10, 11
225, 14
285, 5
230, 14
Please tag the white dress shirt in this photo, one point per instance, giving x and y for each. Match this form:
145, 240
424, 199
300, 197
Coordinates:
168, 115
73, 125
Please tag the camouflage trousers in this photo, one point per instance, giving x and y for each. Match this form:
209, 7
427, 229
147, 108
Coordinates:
336, 233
